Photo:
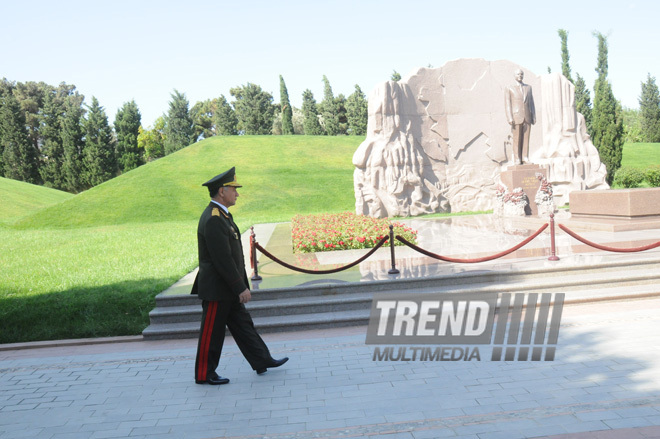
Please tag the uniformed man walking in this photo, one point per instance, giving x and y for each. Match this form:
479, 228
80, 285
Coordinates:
222, 285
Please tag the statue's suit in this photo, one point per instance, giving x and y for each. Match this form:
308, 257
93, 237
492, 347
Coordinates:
520, 113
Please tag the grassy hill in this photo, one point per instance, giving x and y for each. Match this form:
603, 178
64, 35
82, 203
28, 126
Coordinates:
19, 199
281, 176
91, 264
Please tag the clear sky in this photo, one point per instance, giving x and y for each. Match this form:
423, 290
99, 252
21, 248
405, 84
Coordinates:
122, 50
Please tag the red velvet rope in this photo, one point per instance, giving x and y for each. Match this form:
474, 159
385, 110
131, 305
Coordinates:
470, 261
334, 270
606, 248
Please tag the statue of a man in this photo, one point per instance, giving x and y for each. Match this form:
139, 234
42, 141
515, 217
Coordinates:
520, 113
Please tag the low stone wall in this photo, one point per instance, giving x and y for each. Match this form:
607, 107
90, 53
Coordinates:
616, 203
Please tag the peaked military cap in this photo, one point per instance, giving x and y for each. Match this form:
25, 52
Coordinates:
227, 178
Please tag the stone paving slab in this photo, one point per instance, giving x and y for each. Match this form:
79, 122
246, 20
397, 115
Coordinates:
604, 383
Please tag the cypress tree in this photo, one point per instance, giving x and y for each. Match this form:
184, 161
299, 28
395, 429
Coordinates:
649, 105
127, 128
607, 116
565, 67
226, 123
329, 110
357, 110
99, 158
19, 157
52, 150
311, 125
73, 143
583, 100
287, 111
179, 128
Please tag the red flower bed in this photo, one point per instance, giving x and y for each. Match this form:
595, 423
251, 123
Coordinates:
343, 231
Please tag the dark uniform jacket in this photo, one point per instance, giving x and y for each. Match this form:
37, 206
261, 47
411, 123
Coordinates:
221, 273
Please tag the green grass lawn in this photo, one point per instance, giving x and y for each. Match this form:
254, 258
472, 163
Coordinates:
641, 155
90, 265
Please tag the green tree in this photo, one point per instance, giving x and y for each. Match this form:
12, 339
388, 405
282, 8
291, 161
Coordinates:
254, 109
99, 158
342, 114
565, 67
396, 76
632, 126
583, 100
203, 115
287, 111
329, 110
73, 143
127, 127
649, 106
179, 128
311, 125
30, 96
52, 150
607, 116
152, 141
357, 110
225, 121
19, 157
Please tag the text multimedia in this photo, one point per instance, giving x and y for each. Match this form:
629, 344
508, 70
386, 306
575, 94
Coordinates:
417, 353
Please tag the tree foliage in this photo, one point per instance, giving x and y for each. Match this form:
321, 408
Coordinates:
179, 129
329, 110
565, 67
649, 106
152, 141
203, 115
127, 128
583, 100
52, 150
311, 125
396, 76
226, 123
19, 157
357, 112
100, 163
607, 116
73, 143
287, 111
254, 109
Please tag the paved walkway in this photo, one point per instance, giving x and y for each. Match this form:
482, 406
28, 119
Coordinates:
604, 383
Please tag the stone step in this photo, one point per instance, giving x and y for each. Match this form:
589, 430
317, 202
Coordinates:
545, 277
300, 313
360, 317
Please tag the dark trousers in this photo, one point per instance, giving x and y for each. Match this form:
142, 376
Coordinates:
520, 134
233, 315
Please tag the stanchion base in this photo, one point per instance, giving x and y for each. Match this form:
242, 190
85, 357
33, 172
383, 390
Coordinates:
393, 271
256, 278
553, 258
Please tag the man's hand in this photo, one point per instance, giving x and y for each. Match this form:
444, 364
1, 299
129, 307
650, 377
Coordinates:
245, 296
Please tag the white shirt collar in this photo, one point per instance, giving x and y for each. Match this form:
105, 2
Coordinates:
221, 206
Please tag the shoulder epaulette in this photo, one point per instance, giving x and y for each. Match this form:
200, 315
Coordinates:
215, 212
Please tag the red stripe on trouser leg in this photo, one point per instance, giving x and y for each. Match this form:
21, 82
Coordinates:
202, 367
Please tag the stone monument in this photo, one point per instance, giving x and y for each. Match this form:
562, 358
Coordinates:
439, 140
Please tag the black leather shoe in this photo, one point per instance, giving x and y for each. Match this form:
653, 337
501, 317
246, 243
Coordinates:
214, 380
273, 363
